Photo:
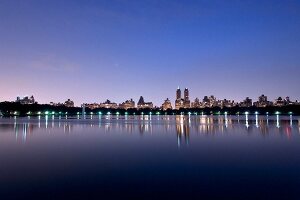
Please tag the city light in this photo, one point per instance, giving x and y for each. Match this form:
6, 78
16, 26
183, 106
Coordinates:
209, 103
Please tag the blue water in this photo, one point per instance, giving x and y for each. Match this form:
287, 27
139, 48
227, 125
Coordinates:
150, 157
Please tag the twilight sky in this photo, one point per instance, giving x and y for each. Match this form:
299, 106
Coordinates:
91, 51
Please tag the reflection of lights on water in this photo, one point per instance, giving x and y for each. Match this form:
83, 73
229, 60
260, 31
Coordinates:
247, 120
277, 121
183, 124
52, 121
178, 140
16, 127
39, 121
46, 121
256, 120
15, 122
24, 132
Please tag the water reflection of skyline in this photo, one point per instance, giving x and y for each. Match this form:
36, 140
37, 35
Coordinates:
183, 126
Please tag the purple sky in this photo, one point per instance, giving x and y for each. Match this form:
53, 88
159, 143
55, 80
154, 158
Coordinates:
91, 51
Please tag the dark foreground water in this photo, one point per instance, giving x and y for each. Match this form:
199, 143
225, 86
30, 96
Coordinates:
150, 157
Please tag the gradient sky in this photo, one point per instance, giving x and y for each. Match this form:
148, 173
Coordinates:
91, 51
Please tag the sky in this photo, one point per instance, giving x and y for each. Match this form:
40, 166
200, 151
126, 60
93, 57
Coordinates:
90, 51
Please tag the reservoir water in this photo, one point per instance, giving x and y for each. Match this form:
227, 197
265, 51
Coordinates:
150, 157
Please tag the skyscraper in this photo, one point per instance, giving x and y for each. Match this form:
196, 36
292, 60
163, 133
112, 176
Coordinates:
187, 102
182, 102
186, 94
178, 93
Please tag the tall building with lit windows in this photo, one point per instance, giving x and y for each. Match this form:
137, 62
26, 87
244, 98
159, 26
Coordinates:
182, 102
178, 93
187, 102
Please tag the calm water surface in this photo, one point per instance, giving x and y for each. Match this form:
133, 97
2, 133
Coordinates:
150, 157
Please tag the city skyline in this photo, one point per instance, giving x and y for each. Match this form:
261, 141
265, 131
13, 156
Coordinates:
126, 49
157, 102
182, 100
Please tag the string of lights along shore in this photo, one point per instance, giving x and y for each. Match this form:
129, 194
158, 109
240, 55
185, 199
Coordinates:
181, 102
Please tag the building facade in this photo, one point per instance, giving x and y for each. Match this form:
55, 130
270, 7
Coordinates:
128, 104
25, 100
142, 104
166, 105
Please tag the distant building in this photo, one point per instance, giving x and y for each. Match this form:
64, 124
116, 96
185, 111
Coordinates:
91, 105
142, 104
213, 101
182, 102
263, 101
205, 102
287, 101
69, 103
226, 103
279, 102
25, 100
246, 103
196, 103
108, 104
127, 104
166, 105
187, 102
